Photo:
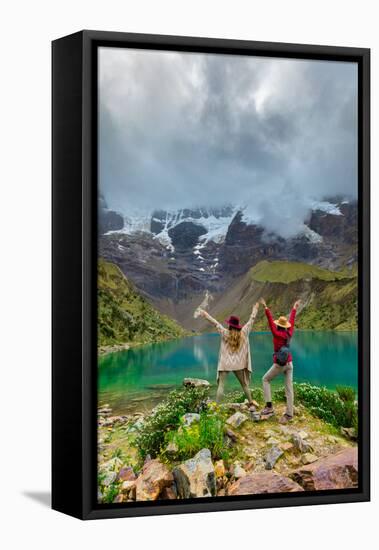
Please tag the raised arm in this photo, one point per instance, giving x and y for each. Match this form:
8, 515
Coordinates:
213, 321
293, 316
269, 316
248, 326
270, 320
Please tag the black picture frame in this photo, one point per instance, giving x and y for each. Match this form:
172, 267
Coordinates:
74, 269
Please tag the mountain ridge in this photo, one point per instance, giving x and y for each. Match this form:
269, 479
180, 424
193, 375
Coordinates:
328, 303
124, 316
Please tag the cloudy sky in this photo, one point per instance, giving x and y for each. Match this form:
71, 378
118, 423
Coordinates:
182, 130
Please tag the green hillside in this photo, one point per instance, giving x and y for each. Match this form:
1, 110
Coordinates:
329, 298
288, 272
124, 316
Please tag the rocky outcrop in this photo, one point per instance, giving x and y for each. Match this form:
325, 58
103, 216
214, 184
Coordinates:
196, 383
154, 477
185, 235
175, 257
109, 220
196, 477
338, 471
263, 482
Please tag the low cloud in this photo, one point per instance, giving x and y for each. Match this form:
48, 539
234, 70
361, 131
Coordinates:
184, 130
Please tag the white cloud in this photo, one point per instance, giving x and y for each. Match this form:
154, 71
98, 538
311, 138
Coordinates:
181, 130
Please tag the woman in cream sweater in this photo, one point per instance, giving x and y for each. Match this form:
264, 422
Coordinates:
234, 353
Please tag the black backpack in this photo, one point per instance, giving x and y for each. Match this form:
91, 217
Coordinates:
283, 353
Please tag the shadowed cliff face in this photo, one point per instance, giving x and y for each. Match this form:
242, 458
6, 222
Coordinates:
185, 253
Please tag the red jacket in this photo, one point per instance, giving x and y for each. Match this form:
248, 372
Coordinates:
280, 336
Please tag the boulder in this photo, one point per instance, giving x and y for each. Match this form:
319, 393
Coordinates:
171, 448
109, 478
300, 444
126, 474
190, 418
169, 493
350, 433
128, 488
154, 477
337, 471
113, 464
272, 456
237, 419
196, 477
196, 383
263, 482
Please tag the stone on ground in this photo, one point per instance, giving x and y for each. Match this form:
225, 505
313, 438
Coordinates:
263, 482
350, 433
169, 493
190, 418
308, 458
154, 477
129, 488
237, 419
300, 444
126, 474
238, 471
338, 471
195, 383
196, 477
272, 457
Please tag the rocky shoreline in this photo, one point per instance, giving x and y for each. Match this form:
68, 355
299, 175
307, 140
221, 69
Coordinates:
265, 457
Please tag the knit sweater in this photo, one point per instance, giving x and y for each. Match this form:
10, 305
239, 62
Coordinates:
229, 360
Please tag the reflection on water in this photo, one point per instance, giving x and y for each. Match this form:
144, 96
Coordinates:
128, 377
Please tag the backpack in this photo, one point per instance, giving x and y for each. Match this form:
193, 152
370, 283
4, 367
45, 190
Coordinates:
283, 353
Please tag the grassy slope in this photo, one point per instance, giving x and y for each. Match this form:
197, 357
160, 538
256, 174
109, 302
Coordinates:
330, 298
124, 315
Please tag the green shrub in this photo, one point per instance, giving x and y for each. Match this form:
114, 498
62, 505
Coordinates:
207, 433
166, 416
110, 493
335, 407
346, 393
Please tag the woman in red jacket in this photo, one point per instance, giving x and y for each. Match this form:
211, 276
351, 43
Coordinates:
282, 331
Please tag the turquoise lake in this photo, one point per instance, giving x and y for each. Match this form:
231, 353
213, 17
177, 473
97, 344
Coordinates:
140, 377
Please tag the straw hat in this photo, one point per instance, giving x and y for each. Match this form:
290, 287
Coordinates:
282, 322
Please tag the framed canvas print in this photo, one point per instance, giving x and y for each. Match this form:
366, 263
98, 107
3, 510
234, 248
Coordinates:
210, 274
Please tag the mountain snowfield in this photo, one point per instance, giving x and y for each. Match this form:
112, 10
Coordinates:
215, 223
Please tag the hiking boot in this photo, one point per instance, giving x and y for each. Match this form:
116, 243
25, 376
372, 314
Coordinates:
285, 418
267, 411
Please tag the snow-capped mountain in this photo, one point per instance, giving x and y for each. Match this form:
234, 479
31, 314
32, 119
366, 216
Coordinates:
174, 257
207, 224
